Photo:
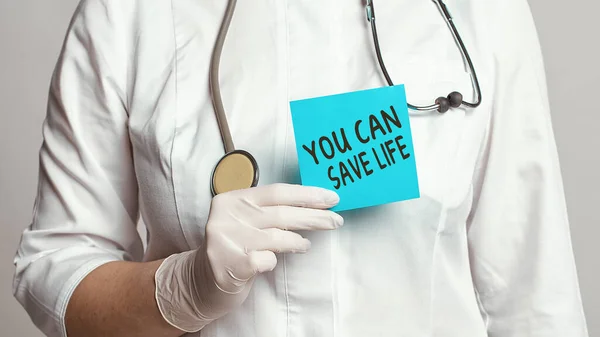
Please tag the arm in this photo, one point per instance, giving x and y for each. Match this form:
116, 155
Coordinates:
86, 210
519, 239
117, 299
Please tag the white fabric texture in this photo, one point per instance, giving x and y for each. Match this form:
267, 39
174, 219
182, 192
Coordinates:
130, 131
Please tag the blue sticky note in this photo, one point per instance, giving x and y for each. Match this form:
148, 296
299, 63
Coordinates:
358, 144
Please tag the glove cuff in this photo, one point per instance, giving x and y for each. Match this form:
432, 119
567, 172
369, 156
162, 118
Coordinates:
176, 293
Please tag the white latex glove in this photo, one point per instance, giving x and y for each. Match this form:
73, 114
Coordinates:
245, 229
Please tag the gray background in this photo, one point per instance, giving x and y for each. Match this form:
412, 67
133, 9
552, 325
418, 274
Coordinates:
31, 33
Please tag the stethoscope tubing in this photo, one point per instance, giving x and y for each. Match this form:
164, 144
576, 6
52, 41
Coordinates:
370, 9
463, 50
215, 89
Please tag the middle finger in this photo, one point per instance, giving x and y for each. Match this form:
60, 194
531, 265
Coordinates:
298, 218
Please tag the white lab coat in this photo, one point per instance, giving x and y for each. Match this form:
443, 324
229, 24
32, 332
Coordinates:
131, 130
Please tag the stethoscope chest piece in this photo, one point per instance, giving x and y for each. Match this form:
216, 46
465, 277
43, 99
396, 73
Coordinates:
235, 171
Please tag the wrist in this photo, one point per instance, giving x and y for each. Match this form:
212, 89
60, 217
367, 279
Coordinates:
176, 295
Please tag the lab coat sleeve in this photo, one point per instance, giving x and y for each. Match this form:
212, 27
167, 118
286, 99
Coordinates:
86, 209
519, 238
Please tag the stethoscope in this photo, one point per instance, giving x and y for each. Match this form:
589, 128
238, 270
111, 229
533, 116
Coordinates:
238, 169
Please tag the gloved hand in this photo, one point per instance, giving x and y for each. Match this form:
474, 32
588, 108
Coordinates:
245, 229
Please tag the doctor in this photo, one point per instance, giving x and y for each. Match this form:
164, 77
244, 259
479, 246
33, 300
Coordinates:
131, 131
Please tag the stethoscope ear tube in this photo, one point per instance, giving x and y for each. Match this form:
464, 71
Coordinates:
464, 52
442, 104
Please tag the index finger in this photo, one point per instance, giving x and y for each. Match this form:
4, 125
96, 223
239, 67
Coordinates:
290, 195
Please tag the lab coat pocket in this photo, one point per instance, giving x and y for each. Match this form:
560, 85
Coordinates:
437, 137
